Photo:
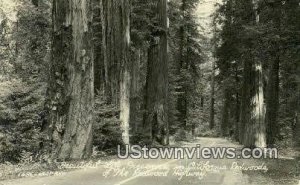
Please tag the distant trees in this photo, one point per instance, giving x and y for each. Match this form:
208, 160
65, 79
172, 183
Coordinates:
253, 42
185, 56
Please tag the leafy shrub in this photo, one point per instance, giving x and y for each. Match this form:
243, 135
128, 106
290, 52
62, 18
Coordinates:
20, 122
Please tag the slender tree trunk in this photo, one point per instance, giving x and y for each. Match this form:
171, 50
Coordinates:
237, 106
104, 24
99, 69
272, 102
181, 69
156, 117
212, 97
296, 129
71, 88
134, 97
245, 99
258, 113
225, 113
297, 114
125, 85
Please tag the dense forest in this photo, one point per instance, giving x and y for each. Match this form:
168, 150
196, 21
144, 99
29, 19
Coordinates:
79, 77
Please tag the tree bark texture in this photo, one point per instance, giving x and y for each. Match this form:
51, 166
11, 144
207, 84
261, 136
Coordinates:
126, 70
72, 80
252, 126
156, 100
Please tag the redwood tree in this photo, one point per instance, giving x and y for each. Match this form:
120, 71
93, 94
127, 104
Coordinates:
156, 99
71, 88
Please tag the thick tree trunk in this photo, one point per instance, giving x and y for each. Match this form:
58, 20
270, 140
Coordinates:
112, 34
72, 81
258, 138
156, 100
252, 125
253, 128
272, 93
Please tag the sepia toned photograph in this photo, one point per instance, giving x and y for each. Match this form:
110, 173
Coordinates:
149, 92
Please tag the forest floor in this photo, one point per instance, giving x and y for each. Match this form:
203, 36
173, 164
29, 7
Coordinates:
170, 171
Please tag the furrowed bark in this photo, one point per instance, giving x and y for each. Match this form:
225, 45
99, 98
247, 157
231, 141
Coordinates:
71, 87
156, 103
255, 130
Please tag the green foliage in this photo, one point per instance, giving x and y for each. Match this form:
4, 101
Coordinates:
107, 127
274, 37
21, 117
25, 50
32, 38
186, 54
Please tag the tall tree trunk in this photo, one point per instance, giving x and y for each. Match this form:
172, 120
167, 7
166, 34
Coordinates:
112, 34
104, 24
156, 117
99, 69
258, 138
272, 102
272, 93
237, 106
225, 113
253, 108
245, 99
115, 25
252, 130
134, 97
71, 88
296, 130
181, 69
212, 97
125, 84
297, 113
